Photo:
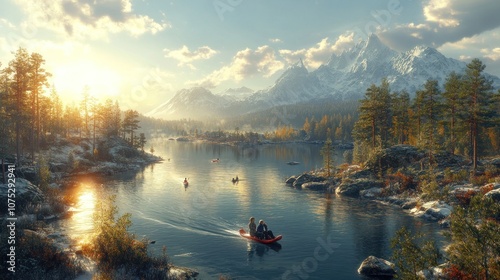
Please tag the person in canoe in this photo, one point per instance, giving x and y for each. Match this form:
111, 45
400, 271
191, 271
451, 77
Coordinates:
235, 180
252, 227
263, 232
185, 182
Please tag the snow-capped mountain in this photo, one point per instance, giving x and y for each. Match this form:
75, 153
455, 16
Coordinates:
295, 85
236, 94
346, 76
194, 102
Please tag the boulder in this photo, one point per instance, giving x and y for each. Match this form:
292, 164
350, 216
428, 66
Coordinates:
317, 186
304, 178
395, 157
373, 266
26, 193
353, 187
360, 174
434, 210
291, 180
411, 203
434, 273
371, 193
177, 272
494, 194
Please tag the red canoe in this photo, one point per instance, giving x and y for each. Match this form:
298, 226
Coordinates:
246, 235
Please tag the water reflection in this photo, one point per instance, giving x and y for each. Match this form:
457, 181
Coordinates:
81, 222
261, 249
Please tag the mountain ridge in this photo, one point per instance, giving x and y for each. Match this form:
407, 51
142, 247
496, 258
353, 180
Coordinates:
346, 76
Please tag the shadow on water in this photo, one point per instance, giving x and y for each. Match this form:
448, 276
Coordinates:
254, 248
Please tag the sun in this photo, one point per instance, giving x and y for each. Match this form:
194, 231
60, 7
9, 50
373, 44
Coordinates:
70, 80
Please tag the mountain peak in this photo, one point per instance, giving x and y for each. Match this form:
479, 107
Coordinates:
298, 64
375, 43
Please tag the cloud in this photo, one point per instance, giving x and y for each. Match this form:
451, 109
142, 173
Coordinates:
446, 21
441, 12
244, 64
185, 56
275, 40
320, 53
493, 54
88, 18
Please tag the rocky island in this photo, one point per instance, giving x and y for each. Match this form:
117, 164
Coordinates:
428, 186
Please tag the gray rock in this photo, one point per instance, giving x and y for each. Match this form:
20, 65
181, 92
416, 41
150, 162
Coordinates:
395, 157
177, 272
494, 194
409, 204
26, 193
317, 186
353, 187
373, 266
304, 178
291, 180
371, 193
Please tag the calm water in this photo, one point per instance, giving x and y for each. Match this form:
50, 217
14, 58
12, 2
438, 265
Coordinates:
324, 236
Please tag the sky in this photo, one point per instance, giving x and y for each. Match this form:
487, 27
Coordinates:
142, 52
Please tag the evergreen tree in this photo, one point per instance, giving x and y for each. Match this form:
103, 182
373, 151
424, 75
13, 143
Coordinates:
18, 73
411, 255
478, 101
431, 113
417, 116
475, 232
367, 122
131, 123
401, 117
451, 107
384, 103
85, 108
38, 80
142, 141
327, 151
375, 119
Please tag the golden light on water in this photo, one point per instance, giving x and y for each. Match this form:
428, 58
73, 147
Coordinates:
81, 222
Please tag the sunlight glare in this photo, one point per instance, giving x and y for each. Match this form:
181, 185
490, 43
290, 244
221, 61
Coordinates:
82, 221
71, 79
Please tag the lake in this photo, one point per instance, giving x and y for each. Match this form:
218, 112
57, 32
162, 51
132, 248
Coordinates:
324, 236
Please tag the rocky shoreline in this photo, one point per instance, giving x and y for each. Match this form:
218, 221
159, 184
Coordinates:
392, 178
401, 176
67, 160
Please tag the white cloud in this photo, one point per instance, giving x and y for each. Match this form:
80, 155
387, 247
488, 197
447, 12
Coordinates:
185, 56
493, 54
88, 18
441, 12
245, 63
445, 21
275, 40
320, 53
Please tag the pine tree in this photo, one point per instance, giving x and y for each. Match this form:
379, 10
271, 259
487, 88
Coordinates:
131, 123
365, 129
38, 80
412, 255
384, 103
475, 232
375, 117
401, 117
327, 151
478, 101
85, 107
431, 113
451, 107
18, 80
